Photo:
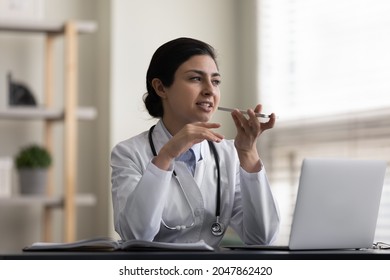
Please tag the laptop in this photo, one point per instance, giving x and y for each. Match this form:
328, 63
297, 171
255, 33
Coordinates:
337, 205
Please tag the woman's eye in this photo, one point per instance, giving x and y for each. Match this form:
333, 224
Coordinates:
195, 78
216, 82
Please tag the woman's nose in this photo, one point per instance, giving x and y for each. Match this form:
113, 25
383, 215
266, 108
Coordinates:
208, 88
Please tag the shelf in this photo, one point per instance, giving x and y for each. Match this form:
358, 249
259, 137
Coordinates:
56, 201
45, 26
69, 115
28, 113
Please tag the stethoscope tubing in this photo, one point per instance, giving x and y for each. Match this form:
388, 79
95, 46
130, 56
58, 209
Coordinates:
217, 227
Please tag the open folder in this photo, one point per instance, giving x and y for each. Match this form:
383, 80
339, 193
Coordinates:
109, 244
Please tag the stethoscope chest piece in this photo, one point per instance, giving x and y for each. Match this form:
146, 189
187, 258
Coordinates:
217, 228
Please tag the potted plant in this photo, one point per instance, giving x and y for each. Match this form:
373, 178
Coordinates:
32, 163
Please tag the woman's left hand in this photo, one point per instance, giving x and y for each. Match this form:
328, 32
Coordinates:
248, 130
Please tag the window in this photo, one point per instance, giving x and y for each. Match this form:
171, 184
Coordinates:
324, 69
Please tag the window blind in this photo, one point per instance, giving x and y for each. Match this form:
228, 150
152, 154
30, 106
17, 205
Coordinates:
324, 56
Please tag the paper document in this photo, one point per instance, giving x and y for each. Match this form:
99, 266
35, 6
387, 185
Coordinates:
109, 244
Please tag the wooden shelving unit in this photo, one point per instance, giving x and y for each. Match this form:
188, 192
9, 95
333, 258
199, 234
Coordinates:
69, 115
46, 201
28, 113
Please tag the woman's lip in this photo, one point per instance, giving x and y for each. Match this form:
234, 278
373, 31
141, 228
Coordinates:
208, 107
209, 104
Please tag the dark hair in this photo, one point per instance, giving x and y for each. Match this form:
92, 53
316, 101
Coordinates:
163, 65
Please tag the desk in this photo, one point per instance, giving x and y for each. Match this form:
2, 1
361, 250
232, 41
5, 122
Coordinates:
222, 254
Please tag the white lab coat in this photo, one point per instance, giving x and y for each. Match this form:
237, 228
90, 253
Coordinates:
143, 194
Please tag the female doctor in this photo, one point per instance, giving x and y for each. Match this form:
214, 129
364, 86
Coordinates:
181, 181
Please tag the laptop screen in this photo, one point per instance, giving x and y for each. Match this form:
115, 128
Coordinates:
337, 204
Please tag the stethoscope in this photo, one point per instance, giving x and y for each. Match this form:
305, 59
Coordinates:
217, 228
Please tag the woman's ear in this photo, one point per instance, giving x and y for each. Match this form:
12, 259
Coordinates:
159, 87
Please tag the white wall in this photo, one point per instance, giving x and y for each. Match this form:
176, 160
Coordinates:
140, 27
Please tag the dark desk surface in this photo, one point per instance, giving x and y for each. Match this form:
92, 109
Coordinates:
222, 254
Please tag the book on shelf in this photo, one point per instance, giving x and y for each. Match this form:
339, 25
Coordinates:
109, 244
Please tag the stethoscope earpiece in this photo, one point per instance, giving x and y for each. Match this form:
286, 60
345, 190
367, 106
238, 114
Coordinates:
182, 227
